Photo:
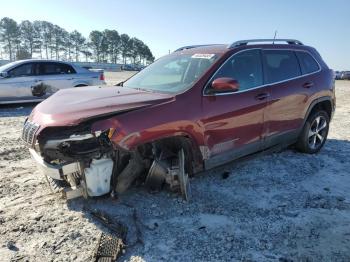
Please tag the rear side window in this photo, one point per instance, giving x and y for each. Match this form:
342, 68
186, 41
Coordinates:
307, 63
280, 65
55, 69
67, 69
245, 67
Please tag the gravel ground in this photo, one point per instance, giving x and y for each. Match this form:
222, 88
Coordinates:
278, 207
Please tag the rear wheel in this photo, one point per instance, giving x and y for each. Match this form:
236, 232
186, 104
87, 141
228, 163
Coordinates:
314, 133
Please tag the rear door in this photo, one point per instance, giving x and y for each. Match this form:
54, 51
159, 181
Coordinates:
17, 86
289, 94
234, 121
55, 76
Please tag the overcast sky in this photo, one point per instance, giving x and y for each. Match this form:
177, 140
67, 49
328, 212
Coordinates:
167, 25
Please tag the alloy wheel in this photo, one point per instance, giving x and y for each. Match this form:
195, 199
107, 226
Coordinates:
317, 132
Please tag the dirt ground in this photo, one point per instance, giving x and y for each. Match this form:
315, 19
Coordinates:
278, 207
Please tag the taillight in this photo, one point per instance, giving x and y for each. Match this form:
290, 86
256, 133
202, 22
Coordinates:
102, 77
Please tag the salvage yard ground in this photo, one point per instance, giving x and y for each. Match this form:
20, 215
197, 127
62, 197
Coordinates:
275, 207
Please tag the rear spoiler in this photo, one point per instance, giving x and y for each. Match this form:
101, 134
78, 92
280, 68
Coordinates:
96, 70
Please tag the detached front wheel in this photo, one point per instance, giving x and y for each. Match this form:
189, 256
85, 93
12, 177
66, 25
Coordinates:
314, 133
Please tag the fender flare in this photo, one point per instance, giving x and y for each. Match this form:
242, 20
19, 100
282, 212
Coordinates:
314, 103
80, 85
123, 143
186, 141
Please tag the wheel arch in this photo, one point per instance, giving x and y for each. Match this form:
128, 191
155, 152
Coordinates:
178, 141
80, 85
323, 103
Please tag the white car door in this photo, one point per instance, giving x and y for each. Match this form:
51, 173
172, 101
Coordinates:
55, 76
17, 86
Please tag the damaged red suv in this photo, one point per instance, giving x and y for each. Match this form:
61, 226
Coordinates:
194, 109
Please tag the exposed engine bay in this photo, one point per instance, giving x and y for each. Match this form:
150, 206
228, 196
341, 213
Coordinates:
79, 162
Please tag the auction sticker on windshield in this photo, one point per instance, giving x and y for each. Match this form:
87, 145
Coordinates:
203, 56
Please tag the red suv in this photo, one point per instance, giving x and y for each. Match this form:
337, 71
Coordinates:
199, 107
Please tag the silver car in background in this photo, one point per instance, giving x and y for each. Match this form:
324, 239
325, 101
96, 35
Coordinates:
345, 75
337, 75
34, 80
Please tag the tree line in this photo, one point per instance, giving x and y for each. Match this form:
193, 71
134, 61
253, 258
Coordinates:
49, 41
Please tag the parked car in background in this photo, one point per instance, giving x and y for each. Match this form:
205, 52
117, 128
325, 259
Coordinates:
189, 111
132, 67
345, 75
337, 75
141, 67
35, 80
127, 67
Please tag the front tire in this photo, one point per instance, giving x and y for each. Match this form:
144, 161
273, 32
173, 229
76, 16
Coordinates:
314, 133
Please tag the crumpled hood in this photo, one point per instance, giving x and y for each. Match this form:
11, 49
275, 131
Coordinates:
74, 105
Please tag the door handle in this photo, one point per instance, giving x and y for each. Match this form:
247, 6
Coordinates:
37, 80
308, 84
262, 96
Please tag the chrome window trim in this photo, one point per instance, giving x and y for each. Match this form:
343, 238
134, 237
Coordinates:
21, 101
265, 85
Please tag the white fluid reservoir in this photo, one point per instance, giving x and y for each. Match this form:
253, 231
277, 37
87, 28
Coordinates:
98, 176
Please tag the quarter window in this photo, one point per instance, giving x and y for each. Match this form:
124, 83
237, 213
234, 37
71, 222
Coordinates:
307, 63
280, 65
245, 67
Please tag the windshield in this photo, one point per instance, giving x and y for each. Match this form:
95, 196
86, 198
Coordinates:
172, 74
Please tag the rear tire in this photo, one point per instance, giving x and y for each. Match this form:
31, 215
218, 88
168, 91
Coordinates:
314, 133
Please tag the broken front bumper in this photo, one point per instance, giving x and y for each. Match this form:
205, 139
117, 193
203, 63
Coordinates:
90, 181
54, 171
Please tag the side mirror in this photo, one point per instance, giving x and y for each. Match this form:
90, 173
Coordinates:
225, 84
4, 74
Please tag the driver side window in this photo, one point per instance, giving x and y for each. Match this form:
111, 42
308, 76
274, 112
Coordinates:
22, 70
245, 67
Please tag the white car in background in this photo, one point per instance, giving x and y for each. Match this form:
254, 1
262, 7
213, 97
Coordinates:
345, 75
34, 80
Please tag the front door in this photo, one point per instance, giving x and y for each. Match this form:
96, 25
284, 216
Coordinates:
234, 121
17, 86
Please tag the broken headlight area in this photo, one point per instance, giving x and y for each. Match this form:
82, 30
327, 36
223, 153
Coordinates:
81, 160
76, 146
90, 165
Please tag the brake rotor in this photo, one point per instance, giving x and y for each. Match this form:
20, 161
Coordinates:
183, 177
156, 176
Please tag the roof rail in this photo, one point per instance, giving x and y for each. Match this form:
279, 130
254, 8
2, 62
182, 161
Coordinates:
245, 42
190, 46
